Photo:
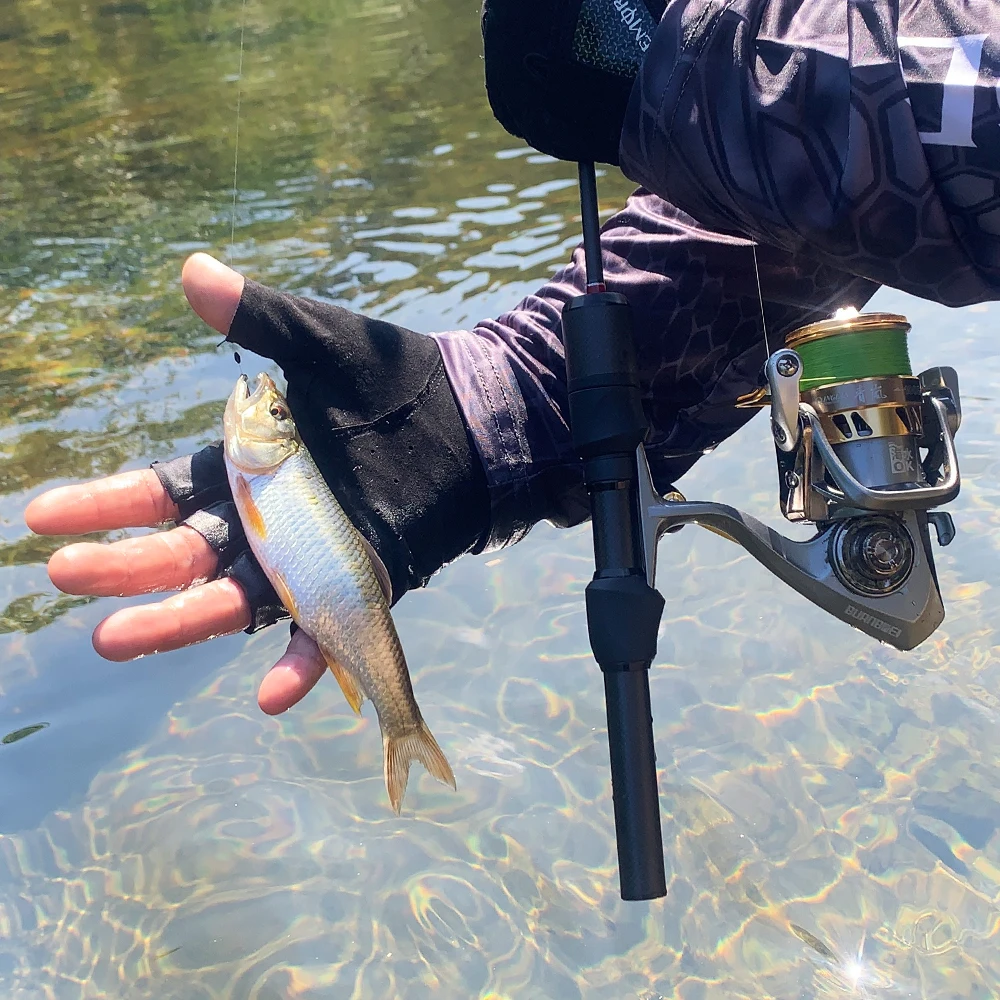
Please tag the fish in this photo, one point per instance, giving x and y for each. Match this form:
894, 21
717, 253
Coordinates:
807, 937
326, 573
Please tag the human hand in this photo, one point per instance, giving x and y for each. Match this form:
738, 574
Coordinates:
175, 560
373, 405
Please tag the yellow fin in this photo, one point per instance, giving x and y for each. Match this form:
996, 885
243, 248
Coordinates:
352, 692
281, 589
250, 511
398, 751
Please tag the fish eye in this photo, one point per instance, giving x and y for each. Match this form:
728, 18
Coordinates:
279, 412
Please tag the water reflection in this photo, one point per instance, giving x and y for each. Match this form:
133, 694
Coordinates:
831, 806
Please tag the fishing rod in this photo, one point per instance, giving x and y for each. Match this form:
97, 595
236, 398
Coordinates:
865, 451
623, 609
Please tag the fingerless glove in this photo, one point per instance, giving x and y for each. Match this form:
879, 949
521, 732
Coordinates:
374, 407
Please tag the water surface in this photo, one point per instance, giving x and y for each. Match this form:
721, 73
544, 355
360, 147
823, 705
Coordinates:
830, 806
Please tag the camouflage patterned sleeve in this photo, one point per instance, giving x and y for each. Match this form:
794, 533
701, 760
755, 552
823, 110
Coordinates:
867, 131
697, 319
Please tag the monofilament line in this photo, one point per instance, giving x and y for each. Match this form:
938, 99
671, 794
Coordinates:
236, 150
760, 297
236, 155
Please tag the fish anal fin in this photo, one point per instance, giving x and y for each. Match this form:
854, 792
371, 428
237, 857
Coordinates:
350, 687
381, 573
419, 745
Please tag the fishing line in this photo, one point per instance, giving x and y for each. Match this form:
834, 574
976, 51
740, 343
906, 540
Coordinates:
236, 154
760, 298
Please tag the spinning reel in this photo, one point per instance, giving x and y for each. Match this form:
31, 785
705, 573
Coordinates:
849, 422
865, 451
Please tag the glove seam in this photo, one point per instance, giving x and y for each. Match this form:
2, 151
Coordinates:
400, 412
516, 457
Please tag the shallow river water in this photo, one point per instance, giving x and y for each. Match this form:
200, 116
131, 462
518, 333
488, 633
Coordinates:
830, 806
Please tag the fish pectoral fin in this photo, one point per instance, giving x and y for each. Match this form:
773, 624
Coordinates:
249, 512
352, 690
398, 751
381, 573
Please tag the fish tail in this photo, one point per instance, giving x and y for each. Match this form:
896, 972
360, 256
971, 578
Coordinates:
419, 745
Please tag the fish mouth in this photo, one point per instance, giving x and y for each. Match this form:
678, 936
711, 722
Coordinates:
247, 397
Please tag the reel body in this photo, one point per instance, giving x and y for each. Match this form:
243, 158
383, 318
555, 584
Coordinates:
849, 460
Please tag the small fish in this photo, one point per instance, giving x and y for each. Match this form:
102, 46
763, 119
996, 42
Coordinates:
807, 937
326, 574
20, 734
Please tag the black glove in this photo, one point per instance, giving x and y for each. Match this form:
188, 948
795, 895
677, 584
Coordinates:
374, 407
559, 72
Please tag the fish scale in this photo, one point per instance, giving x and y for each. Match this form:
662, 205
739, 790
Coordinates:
322, 569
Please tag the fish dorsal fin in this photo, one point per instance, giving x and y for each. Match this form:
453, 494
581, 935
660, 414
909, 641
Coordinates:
381, 573
350, 687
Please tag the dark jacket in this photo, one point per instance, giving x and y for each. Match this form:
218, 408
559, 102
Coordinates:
864, 131
698, 330
853, 152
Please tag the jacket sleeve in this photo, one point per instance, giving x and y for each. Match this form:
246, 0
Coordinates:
699, 335
867, 131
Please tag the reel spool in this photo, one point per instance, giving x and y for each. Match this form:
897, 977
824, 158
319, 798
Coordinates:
849, 420
856, 375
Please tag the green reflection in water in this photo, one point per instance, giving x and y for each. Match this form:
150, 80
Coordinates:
31, 612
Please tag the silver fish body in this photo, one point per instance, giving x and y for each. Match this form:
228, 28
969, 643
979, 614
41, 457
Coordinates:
323, 570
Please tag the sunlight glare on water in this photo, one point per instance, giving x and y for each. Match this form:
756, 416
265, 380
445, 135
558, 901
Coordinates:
830, 806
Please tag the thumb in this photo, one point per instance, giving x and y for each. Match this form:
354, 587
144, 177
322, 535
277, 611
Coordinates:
267, 322
212, 289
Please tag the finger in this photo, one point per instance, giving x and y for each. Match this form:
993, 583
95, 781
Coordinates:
170, 560
127, 500
293, 676
212, 289
204, 612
